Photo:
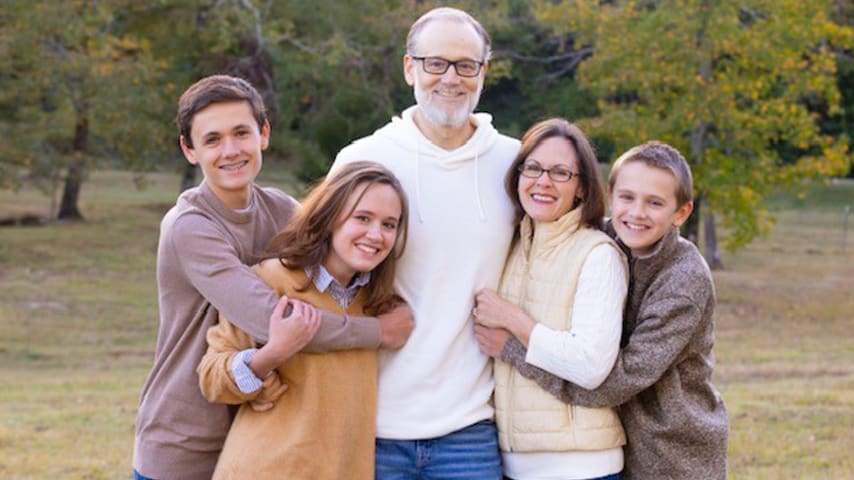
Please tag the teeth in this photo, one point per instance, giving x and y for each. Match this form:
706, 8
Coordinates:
543, 198
234, 166
368, 249
634, 226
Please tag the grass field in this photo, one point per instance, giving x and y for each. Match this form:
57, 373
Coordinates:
78, 320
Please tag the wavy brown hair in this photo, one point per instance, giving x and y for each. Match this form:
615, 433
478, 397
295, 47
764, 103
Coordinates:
306, 240
593, 203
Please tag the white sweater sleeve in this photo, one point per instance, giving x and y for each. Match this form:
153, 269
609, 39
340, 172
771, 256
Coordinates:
585, 354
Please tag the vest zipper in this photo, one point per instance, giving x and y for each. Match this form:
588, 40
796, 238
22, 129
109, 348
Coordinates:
526, 270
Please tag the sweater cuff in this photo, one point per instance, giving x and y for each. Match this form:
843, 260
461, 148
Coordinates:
514, 352
244, 377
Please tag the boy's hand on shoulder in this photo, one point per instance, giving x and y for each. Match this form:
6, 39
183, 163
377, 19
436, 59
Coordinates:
395, 326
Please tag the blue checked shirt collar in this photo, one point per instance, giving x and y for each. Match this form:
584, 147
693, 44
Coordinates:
323, 281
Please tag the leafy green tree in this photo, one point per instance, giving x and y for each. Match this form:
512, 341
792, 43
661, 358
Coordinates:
731, 83
842, 122
75, 83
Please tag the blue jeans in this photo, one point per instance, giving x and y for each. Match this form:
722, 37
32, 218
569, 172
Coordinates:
139, 476
613, 476
468, 454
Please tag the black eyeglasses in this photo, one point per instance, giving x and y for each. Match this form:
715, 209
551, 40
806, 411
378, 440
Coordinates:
438, 66
557, 174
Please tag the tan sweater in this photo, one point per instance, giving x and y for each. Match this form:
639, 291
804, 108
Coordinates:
322, 427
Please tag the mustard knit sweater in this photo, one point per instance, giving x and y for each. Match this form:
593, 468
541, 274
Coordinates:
322, 427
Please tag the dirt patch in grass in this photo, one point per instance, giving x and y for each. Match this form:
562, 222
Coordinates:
22, 220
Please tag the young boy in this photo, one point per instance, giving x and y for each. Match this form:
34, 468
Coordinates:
207, 241
675, 421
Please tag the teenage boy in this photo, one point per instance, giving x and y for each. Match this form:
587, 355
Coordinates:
675, 421
207, 241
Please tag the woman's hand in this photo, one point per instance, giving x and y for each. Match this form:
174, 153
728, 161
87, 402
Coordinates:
288, 334
494, 311
491, 340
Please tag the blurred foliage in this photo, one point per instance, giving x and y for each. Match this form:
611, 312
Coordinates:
755, 83
738, 86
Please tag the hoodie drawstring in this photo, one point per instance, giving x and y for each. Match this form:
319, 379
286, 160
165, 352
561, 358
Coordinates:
480, 210
418, 180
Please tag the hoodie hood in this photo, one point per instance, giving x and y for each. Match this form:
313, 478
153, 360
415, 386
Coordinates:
403, 132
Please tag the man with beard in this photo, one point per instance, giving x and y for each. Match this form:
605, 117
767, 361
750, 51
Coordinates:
434, 414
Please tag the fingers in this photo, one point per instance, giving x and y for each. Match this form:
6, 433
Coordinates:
484, 341
299, 311
272, 395
261, 407
281, 306
314, 321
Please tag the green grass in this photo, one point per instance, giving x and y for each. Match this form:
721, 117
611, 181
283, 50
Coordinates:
784, 346
78, 321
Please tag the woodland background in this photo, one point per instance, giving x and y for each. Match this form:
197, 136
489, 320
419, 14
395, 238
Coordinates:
758, 94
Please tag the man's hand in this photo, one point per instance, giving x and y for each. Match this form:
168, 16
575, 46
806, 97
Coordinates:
491, 340
288, 335
395, 326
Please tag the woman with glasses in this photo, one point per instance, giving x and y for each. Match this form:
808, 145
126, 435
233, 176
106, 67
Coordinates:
562, 296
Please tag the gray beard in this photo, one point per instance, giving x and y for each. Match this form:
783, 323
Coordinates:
456, 119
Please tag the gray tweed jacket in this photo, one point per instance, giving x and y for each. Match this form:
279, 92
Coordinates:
675, 421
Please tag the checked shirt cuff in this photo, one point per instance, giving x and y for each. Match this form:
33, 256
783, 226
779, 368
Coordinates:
245, 378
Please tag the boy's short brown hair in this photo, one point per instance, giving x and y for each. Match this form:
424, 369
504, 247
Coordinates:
659, 155
216, 89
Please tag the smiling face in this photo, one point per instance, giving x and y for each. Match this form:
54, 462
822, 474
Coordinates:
365, 233
543, 199
644, 206
446, 100
227, 145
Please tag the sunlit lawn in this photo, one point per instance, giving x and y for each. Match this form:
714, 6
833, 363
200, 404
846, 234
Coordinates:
78, 319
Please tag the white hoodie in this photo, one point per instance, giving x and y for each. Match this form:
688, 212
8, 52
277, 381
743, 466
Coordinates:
460, 227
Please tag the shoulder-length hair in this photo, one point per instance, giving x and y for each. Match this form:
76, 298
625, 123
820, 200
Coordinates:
306, 240
593, 202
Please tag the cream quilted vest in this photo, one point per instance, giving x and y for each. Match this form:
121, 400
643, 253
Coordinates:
541, 276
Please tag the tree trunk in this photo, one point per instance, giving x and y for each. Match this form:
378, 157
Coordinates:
68, 209
691, 227
710, 241
188, 177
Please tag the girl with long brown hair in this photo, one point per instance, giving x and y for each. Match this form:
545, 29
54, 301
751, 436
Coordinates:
313, 415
